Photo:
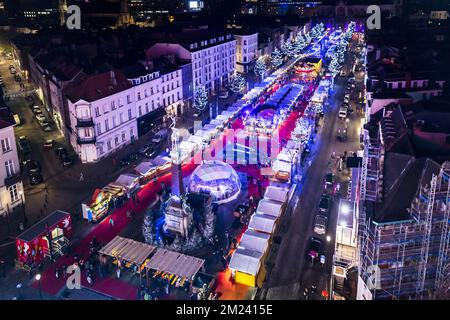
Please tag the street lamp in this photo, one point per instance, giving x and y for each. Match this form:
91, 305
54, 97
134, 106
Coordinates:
328, 238
38, 279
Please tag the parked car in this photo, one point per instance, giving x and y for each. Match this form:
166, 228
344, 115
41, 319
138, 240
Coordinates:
320, 224
160, 136
59, 151
44, 123
66, 160
48, 144
125, 161
152, 152
36, 178
324, 203
40, 117
342, 113
314, 247
142, 150
33, 167
24, 144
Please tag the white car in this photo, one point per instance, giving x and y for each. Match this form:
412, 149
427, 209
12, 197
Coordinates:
320, 224
40, 117
342, 113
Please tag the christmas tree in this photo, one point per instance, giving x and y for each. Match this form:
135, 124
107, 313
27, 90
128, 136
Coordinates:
276, 58
148, 228
260, 68
288, 49
237, 83
200, 98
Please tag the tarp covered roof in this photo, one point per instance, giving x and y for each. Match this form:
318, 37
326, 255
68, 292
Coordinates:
254, 240
270, 208
262, 222
127, 249
276, 194
247, 261
175, 263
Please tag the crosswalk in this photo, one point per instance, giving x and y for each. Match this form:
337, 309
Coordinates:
18, 94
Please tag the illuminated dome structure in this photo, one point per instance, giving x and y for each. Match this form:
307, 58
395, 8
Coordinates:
216, 178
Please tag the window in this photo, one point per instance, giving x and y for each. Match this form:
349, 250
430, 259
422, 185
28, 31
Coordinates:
97, 111
146, 107
128, 99
139, 96
123, 137
140, 111
116, 140
113, 105
99, 129
129, 114
114, 121
106, 125
121, 117
14, 193
6, 145
9, 166
109, 145
100, 149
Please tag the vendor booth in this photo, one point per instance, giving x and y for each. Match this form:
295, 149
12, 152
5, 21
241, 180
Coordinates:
47, 238
255, 240
247, 267
128, 253
282, 170
263, 223
271, 208
150, 169
128, 182
276, 194
179, 269
102, 201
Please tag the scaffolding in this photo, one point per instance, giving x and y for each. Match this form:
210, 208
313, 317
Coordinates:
412, 256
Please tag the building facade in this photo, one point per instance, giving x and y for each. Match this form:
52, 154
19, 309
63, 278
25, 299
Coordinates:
246, 51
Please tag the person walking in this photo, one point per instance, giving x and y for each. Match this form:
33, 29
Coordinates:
81, 177
111, 223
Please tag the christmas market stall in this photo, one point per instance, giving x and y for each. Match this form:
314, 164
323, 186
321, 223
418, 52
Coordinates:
276, 194
247, 267
148, 170
47, 238
263, 223
178, 269
127, 253
102, 201
270, 208
129, 184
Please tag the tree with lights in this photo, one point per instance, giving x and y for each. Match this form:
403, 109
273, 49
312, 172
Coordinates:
299, 44
318, 31
200, 98
237, 83
302, 131
288, 49
260, 68
276, 58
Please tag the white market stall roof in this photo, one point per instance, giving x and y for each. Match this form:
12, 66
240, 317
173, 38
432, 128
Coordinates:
160, 161
210, 127
216, 123
127, 249
222, 118
270, 208
233, 109
276, 194
195, 139
246, 261
126, 180
262, 222
204, 134
187, 145
227, 114
281, 166
292, 145
144, 167
254, 240
287, 155
175, 263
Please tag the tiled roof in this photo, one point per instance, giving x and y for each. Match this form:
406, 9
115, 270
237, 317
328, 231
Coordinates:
98, 86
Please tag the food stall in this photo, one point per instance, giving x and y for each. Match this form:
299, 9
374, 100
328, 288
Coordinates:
179, 269
282, 170
270, 208
129, 253
128, 182
145, 168
101, 202
255, 240
276, 194
263, 223
247, 267
148, 170
47, 238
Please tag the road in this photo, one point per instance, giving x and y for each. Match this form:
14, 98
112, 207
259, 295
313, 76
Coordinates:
290, 271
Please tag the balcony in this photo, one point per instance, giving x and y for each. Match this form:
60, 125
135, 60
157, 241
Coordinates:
86, 140
12, 180
85, 122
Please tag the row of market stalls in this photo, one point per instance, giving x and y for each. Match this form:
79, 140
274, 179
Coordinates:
247, 263
151, 263
106, 199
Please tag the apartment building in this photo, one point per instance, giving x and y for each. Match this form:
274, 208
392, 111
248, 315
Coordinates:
211, 54
11, 187
246, 50
102, 115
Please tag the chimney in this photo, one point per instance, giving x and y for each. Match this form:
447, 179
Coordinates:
113, 77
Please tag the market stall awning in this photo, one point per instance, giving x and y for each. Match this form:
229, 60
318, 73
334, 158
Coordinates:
281, 166
161, 161
276, 194
217, 123
175, 263
195, 139
262, 222
292, 145
270, 208
126, 180
287, 155
254, 240
40, 228
127, 249
246, 261
227, 114
144, 167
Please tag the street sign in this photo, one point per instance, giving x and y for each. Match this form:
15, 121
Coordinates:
322, 259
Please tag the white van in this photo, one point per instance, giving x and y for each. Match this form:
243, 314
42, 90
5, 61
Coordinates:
160, 136
342, 113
